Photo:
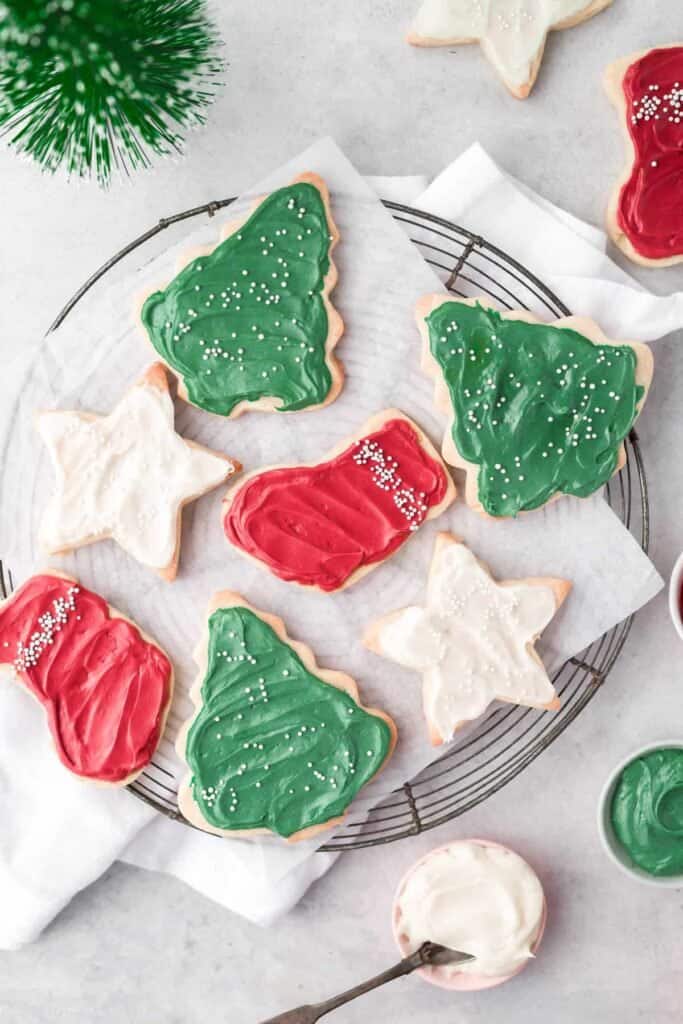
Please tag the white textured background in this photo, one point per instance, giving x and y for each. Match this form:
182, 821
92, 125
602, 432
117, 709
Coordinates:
138, 947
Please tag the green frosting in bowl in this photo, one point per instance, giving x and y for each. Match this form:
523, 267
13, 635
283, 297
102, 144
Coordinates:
647, 811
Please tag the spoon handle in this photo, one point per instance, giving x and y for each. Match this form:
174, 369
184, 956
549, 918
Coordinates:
312, 1013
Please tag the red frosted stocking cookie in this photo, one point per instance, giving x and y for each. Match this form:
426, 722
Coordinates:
104, 685
328, 524
645, 214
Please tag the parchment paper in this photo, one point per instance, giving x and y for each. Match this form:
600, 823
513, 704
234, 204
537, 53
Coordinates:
100, 351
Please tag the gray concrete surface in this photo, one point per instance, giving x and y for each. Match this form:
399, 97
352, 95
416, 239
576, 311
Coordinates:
143, 948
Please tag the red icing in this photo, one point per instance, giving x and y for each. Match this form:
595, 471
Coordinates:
650, 211
317, 525
104, 688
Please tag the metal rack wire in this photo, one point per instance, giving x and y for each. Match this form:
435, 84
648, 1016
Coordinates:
509, 738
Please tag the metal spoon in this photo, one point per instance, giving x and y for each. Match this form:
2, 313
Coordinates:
430, 954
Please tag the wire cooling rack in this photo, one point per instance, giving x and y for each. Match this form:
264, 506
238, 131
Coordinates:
509, 738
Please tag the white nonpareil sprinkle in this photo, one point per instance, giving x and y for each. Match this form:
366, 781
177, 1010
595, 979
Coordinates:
410, 503
49, 623
656, 106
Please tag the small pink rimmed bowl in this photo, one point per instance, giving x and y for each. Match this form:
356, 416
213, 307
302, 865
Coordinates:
445, 977
611, 845
675, 586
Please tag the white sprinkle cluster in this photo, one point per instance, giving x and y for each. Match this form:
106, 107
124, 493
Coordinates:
655, 105
49, 623
385, 475
575, 422
515, 20
210, 795
282, 743
267, 284
500, 614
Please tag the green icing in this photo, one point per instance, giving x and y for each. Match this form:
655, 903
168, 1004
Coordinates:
539, 409
274, 746
647, 811
249, 319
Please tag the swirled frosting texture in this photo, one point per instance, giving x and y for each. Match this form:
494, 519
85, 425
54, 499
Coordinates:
540, 409
481, 899
104, 688
273, 746
650, 210
125, 475
512, 33
317, 525
472, 641
647, 811
248, 320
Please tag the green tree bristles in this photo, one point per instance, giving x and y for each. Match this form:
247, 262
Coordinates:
94, 85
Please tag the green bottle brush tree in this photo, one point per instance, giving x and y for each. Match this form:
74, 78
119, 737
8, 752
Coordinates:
98, 85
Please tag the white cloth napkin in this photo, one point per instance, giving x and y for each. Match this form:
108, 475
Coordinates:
58, 833
567, 254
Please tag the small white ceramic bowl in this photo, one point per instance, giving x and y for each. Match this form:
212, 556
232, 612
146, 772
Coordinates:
675, 584
464, 981
613, 848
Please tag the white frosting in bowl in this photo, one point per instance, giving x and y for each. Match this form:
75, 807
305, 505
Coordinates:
478, 898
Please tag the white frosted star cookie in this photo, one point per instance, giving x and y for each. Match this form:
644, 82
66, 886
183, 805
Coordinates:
126, 476
473, 639
512, 33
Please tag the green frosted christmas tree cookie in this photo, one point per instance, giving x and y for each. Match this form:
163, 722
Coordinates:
276, 744
535, 410
249, 324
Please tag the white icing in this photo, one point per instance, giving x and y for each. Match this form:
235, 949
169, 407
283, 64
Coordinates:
511, 32
473, 641
124, 475
482, 900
